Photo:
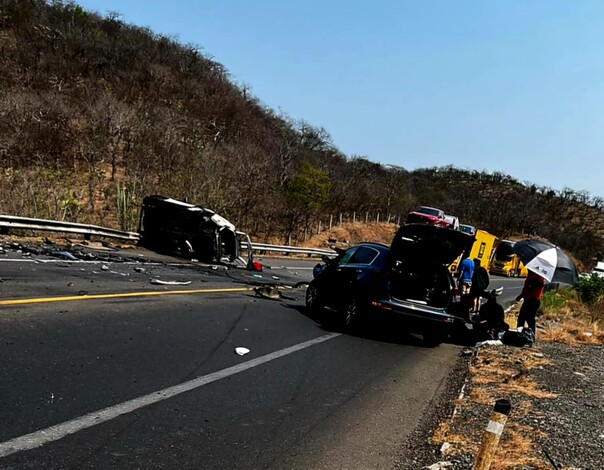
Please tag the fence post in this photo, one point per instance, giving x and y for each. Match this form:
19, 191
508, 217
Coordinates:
366, 216
340, 218
377, 219
354, 217
492, 433
319, 227
330, 221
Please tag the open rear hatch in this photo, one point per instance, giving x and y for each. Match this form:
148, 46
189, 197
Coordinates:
419, 257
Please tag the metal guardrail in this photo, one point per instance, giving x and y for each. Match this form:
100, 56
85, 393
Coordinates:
8, 222
289, 249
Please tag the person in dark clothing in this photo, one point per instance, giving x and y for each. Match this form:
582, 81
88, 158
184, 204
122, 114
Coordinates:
480, 283
490, 321
532, 291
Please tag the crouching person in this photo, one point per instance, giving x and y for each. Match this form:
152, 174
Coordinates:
490, 320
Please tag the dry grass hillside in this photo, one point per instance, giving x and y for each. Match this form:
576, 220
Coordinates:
352, 233
96, 114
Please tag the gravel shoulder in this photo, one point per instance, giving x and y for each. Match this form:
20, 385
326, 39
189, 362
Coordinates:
557, 418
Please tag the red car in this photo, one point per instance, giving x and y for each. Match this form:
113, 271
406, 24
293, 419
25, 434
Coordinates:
427, 215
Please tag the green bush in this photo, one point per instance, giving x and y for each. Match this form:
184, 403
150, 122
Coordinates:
590, 289
554, 300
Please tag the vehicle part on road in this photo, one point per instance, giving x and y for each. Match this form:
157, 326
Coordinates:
272, 292
169, 283
268, 292
242, 351
256, 266
62, 254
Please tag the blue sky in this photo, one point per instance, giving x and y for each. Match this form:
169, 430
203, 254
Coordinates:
514, 86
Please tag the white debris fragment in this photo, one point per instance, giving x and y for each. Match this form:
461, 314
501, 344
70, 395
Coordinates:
588, 334
490, 342
242, 351
105, 267
445, 448
169, 283
440, 466
540, 355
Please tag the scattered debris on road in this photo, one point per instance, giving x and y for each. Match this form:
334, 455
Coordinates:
268, 292
62, 254
168, 283
272, 292
242, 351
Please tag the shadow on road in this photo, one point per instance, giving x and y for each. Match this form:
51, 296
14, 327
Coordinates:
385, 329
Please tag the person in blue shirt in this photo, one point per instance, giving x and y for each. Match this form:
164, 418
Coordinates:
466, 271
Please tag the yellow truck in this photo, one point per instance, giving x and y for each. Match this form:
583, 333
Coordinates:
506, 262
482, 249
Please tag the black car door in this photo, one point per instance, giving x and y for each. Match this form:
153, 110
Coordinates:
351, 274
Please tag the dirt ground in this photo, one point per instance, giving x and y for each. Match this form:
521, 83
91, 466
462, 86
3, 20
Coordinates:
557, 417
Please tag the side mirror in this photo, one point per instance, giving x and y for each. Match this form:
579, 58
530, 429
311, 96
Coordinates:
326, 258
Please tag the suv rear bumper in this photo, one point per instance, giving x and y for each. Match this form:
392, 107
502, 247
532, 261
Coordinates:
418, 318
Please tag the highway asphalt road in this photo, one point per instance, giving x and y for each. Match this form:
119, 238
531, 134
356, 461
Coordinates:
152, 380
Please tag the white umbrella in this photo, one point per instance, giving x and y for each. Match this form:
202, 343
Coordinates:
546, 260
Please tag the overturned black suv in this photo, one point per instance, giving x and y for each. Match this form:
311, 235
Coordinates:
409, 279
172, 226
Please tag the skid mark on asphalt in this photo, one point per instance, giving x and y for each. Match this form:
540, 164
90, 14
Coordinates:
59, 431
72, 298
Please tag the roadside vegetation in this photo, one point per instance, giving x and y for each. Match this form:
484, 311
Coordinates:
569, 318
576, 315
95, 114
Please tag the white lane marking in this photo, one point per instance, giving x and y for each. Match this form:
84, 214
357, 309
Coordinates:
59, 431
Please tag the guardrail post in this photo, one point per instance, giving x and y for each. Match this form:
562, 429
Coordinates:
492, 434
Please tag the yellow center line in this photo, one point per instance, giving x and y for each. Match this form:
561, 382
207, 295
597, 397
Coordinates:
118, 296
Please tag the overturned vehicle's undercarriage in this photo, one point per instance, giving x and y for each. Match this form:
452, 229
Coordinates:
171, 226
